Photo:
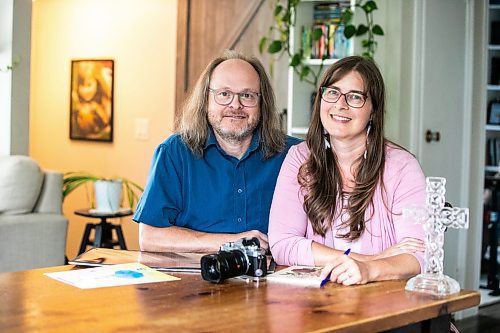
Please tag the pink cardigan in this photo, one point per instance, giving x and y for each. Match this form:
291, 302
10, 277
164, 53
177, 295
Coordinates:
291, 233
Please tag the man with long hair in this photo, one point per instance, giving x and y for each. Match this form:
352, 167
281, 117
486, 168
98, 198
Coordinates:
213, 181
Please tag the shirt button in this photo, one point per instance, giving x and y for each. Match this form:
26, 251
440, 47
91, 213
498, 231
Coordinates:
239, 219
240, 190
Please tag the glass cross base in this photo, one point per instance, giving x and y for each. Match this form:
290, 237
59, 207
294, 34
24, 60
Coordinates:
435, 284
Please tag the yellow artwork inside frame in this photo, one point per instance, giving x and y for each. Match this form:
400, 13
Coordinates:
91, 114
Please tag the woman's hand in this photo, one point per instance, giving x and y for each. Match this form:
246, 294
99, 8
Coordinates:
407, 245
347, 271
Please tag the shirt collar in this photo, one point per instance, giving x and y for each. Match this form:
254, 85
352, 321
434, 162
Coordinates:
211, 140
254, 144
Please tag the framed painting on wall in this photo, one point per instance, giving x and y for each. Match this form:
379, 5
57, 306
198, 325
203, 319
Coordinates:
91, 106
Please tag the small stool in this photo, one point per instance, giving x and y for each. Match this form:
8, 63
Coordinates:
103, 236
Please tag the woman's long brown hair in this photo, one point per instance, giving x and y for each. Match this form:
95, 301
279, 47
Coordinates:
320, 176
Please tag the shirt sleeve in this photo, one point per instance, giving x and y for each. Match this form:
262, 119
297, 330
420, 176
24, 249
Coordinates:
161, 200
288, 220
408, 191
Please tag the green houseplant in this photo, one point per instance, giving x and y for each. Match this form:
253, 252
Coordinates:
277, 41
73, 180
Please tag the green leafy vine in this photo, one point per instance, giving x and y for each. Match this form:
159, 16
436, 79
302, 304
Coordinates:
370, 29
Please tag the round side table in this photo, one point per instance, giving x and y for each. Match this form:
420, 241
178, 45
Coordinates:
103, 236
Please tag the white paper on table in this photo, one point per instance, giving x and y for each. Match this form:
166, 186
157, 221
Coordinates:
106, 276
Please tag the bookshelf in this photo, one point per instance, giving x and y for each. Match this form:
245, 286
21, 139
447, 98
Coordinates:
299, 102
492, 150
492, 126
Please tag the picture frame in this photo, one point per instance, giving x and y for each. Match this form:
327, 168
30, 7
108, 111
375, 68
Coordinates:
91, 100
494, 113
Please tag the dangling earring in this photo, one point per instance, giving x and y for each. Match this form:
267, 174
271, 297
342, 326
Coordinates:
327, 143
368, 129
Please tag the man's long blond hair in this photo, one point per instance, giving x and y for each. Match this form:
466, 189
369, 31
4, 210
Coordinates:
193, 123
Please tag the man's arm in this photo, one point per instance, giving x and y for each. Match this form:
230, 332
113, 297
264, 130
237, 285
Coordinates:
177, 239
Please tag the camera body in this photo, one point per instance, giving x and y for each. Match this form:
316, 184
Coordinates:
243, 257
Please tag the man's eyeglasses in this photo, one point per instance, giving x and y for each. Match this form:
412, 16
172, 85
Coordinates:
353, 99
225, 97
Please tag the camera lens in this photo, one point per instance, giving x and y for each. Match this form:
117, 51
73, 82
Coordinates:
223, 265
210, 268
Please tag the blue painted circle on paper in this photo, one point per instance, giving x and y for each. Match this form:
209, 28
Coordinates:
128, 274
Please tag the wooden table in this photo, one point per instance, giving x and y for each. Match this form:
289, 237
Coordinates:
33, 302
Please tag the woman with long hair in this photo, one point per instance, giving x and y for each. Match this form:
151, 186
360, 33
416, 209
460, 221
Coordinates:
345, 187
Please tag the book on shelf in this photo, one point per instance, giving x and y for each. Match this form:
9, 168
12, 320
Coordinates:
305, 276
320, 47
162, 261
497, 151
306, 43
492, 156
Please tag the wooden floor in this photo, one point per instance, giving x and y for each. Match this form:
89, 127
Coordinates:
487, 321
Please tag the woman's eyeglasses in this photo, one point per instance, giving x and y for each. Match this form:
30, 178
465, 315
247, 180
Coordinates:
352, 98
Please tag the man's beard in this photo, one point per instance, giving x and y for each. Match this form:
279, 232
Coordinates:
231, 135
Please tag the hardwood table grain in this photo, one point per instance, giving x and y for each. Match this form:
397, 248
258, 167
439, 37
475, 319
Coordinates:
33, 302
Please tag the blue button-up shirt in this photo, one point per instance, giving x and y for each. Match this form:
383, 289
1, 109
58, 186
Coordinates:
215, 193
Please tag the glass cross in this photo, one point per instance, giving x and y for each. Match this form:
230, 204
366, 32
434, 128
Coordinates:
435, 218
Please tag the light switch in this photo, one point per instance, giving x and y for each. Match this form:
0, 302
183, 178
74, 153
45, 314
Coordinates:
141, 128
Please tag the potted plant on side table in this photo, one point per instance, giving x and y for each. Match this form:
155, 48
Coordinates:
108, 192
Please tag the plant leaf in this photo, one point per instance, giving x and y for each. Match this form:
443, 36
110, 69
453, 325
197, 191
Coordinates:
73, 180
295, 60
304, 72
362, 29
367, 55
287, 18
346, 16
69, 187
277, 10
366, 42
317, 33
377, 30
349, 31
130, 195
262, 44
275, 46
369, 6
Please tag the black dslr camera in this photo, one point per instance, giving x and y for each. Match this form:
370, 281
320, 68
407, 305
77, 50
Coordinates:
243, 257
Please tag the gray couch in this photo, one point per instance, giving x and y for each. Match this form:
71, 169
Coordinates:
32, 227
